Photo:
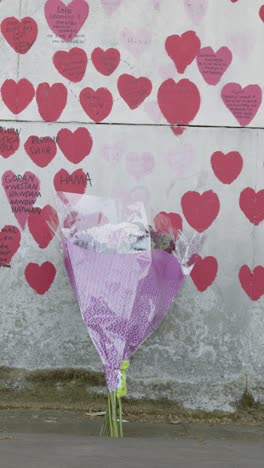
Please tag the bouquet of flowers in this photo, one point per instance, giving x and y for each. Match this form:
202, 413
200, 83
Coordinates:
124, 275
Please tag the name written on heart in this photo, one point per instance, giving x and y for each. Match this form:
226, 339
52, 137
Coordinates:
9, 140
21, 191
75, 179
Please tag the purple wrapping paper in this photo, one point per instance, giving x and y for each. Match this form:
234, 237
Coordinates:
122, 297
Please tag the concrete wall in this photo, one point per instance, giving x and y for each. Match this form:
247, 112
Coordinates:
213, 339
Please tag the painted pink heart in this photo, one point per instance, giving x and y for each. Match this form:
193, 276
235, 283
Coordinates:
41, 150
243, 103
40, 277
179, 102
72, 65
252, 281
183, 49
110, 6
17, 96
113, 152
135, 41
181, 159
227, 167
252, 205
168, 223
75, 145
153, 111
96, 104
51, 100
155, 4
204, 272
213, 65
66, 21
105, 61
43, 224
134, 90
10, 238
20, 34
200, 210
9, 142
196, 10
242, 43
22, 192
261, 13
139, 165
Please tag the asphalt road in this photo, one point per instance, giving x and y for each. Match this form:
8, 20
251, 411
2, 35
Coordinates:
66, 451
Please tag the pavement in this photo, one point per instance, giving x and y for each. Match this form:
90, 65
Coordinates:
54, 439
67, 451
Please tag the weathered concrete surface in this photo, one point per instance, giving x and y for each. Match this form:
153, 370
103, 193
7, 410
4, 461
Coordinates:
61, 451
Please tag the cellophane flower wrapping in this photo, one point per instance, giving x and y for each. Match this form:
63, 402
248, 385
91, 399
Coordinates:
124, 275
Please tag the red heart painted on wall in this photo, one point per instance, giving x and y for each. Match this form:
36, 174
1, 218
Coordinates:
41, 150
10, 238
51, 100
75, 145
97, 104
168, 223
20, 35
252, 205
40, 277
212, 65
22, 192
243, 103
106, 62
261, 13
227, 167
183, 49
9, 142
43, 224
66, 21
72, 65
252, 281
200, 210
71, 183
17, 96
204, 272
134, 90
179, 102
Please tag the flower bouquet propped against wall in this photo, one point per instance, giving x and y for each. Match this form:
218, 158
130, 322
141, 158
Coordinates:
125, 276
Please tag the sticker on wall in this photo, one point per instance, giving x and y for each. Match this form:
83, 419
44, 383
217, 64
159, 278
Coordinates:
243, 103
17, 96
179, 102
22, 192
200, 210
66, 21
9, 141
252, 205
134, 90
252, 281
227, 167
10, 238
43, 224
105, 61
75, 145
183, 49
40, 277
51, 100
204, 272
96, 104
212, 65
41, 150
72, 64
20, 34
